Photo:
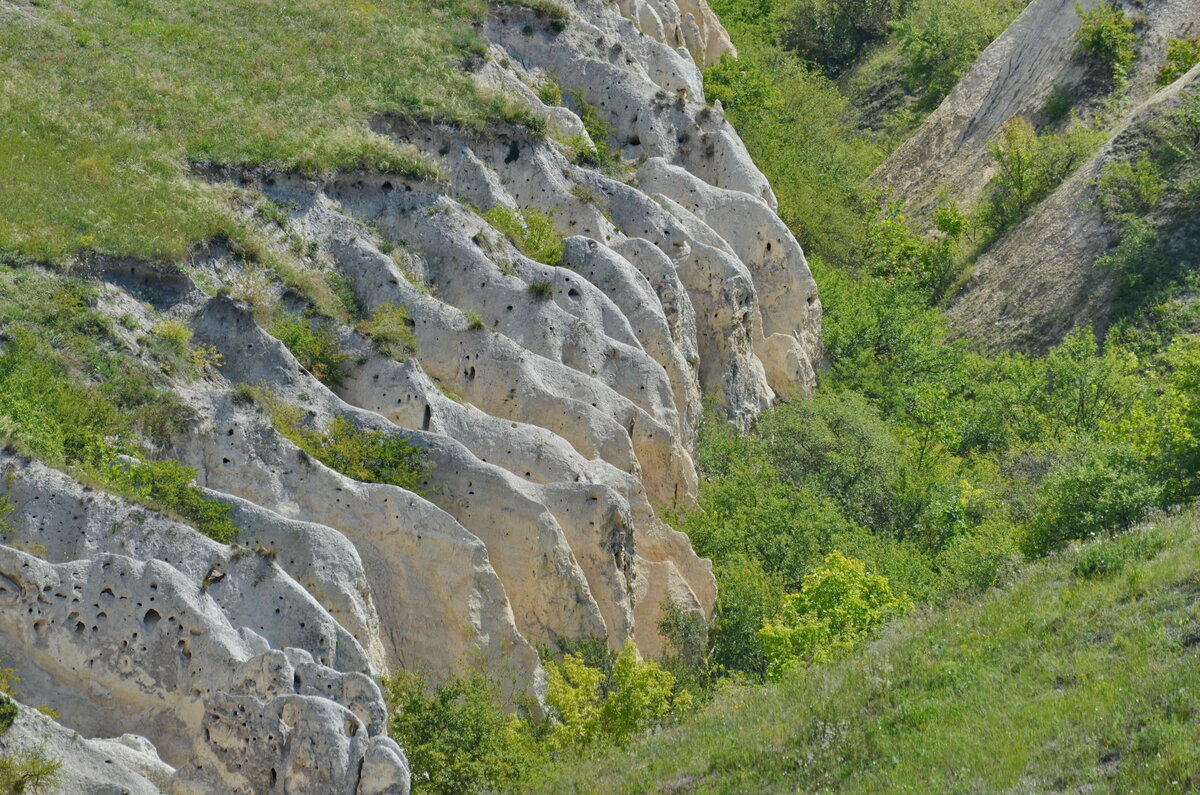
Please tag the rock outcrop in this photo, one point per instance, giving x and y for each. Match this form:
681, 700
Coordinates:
555, 408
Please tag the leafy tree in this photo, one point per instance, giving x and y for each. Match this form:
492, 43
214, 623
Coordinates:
590, 706
1182, 55
1029, 168
457, 737
838, 605
1106, 35
833, 32
838, 443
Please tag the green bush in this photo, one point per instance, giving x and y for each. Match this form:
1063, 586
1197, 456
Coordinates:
893, 250
1182, 55
596, 151
168, 485
457, 736
747, 596
1030, 167
940, 39
838, 443
530, 230
391, 329
1106, 35
1102, 491
590, 705
28, 772
315, 345
8, 713
1102, 558
831, 33
1129, 187
838, 606
367, 456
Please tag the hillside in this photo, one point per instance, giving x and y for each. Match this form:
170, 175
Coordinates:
345, 340
437, 396
1081, 676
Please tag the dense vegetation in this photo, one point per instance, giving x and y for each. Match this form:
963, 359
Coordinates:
1081, 676
920, 478
923, 473
72, 396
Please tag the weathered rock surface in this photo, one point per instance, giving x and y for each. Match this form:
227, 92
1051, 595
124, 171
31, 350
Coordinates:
555, 408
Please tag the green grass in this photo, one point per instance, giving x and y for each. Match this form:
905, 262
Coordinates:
105, 103
1073, 676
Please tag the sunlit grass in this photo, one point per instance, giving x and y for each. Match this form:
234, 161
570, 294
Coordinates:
1069, 678
104, 104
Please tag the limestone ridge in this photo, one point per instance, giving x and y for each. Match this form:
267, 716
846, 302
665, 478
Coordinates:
555, 409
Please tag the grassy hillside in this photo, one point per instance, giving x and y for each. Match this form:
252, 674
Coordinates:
1084, 675
105, 104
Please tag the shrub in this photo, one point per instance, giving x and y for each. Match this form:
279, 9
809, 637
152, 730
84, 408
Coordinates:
1129, 187
838, 605
1030, 168
391, 329
367, 456
1100, 492
341, 288
1106, 35
1102, 558
549, 91
167, 485
983, 558
894, 250
28, 772
831, 33
940, 39
531, 231
457, 736
1182, 55
838, 443
541, 288
599, 153
1058, 104
590, 706
747, 596
315, 345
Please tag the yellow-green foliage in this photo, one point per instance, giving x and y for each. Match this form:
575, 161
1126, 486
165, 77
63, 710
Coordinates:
170, 343
840, 603
457, 736
1182, 55
590, 706
1030, 167
390, 328
530, 230
1106, 35
367, 456
314, 343
1091, 665
104, 104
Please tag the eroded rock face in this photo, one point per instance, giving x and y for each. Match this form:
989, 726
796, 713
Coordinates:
555, 406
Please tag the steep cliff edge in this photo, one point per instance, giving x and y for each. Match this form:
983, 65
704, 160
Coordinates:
553, 402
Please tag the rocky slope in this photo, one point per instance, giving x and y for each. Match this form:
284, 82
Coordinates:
555, 409
1039, 280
